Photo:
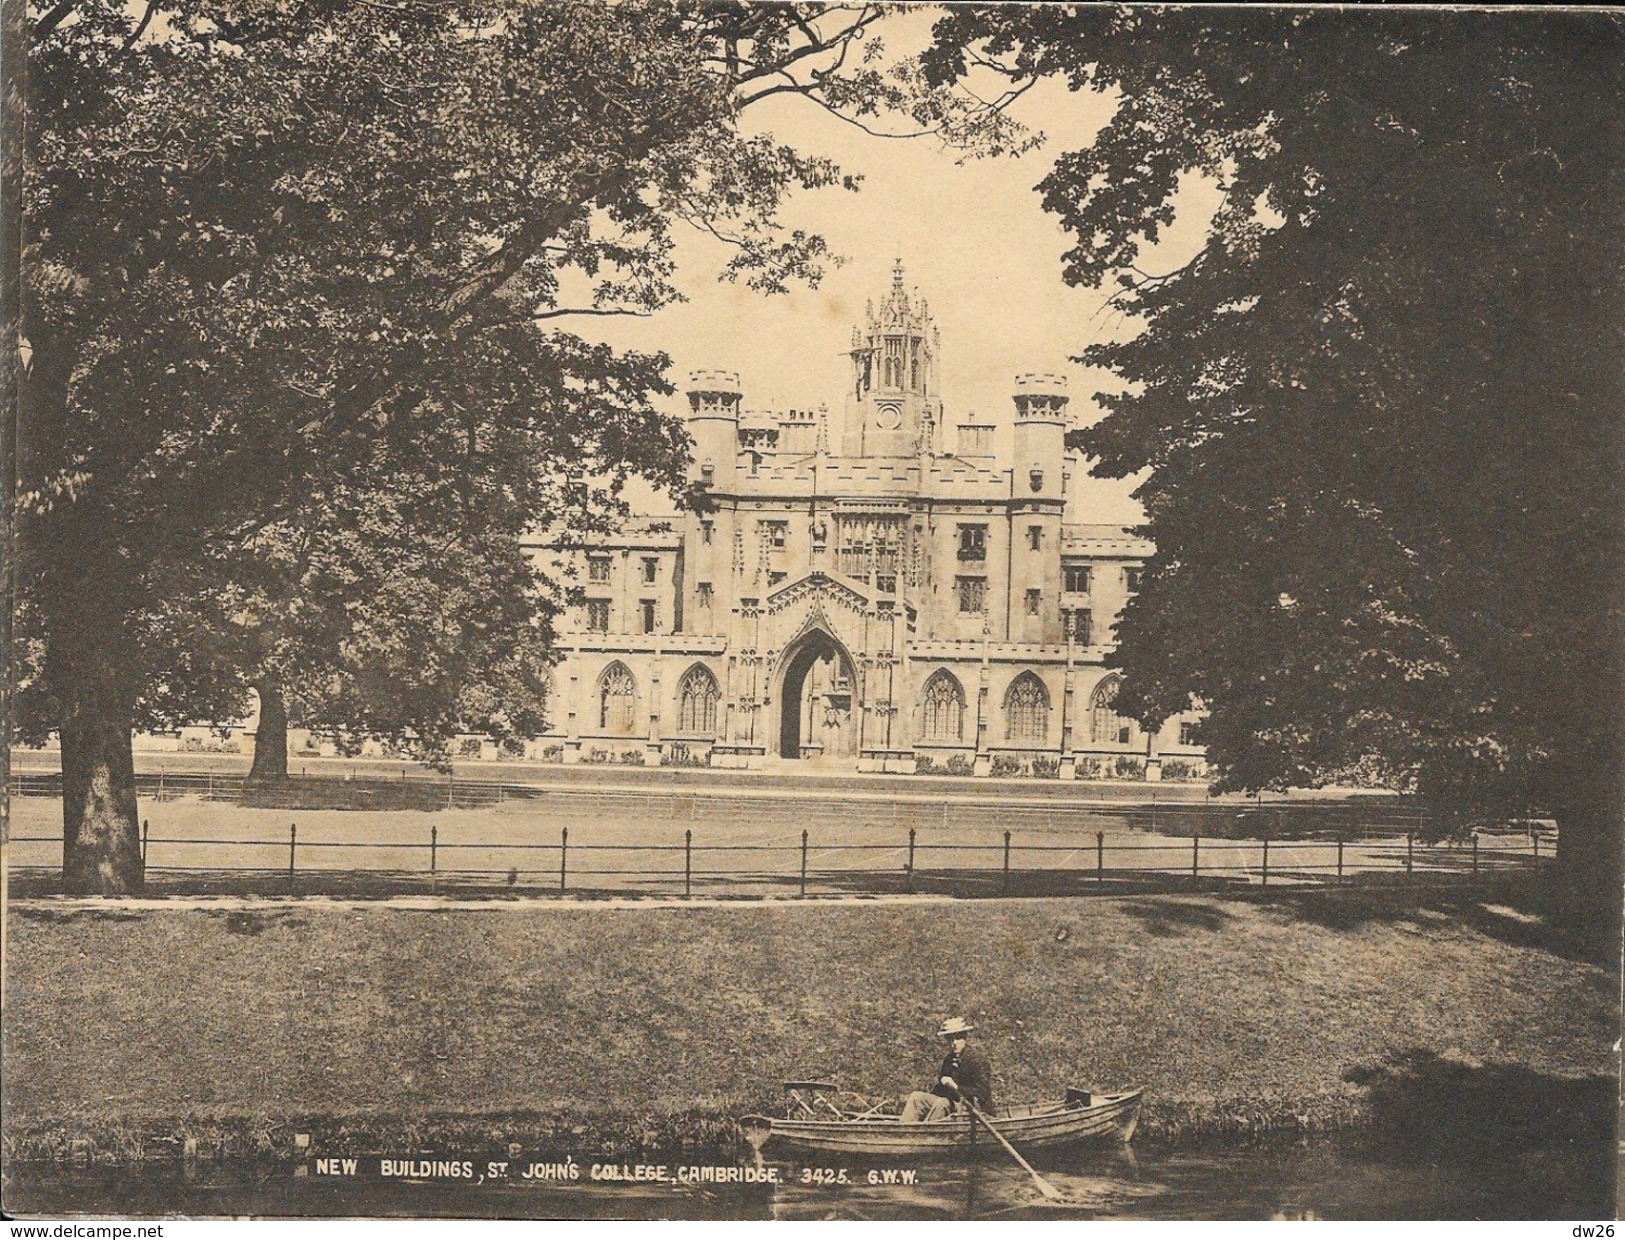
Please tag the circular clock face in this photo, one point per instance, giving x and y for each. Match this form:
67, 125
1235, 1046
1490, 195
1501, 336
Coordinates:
889, 417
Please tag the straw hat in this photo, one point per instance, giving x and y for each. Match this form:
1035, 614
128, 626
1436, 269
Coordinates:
955, 1027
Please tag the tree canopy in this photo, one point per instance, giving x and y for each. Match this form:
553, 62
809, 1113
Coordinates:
1381, 405
296, 286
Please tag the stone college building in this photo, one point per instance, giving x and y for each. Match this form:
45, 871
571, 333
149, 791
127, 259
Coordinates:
882, 593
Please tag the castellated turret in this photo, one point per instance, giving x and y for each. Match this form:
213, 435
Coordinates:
713, 421
1040, 435
1041, 396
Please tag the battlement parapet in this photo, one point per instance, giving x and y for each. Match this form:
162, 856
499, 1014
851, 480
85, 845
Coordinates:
1046, 384
1041, 397
719, 381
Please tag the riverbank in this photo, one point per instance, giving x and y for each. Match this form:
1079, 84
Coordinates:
618, 1031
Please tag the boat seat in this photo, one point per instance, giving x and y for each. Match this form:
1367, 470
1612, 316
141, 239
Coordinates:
818, 1089
882, 1108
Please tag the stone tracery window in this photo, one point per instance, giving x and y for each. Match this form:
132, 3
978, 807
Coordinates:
697, 702
1106, 726
972, 594
944, 703
617, 700
1026, 710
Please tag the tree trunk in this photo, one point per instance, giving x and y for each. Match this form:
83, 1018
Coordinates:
271, 739
1590, 877
101, 839
1588, 885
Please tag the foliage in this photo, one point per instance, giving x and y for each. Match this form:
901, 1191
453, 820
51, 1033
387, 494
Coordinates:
1179, 770
1380, 405
296, 382
253, 251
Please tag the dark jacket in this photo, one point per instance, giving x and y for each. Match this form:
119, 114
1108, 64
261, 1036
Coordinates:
973, 1075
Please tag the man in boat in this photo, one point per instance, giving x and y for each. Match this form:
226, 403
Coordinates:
965, 1076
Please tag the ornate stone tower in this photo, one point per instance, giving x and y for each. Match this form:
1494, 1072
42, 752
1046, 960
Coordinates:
892, 403
1040, 435
1037, 506
713, 420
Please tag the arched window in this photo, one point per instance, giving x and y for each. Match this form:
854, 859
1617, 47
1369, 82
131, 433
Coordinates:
697, 703
944, 708
1106, 726
1026, 710
617, 700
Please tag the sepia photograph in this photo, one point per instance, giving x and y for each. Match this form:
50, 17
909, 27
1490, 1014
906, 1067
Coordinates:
723, 610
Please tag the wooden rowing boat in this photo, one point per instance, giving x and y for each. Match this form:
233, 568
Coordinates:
1081, 1118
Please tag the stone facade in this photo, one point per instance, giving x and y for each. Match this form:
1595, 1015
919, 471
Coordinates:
875, 594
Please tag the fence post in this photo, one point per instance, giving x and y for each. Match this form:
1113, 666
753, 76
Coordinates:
1196, 849
1408, 861
211, 786
146, 826
1475, 852
1534, 838
1004, 883
910, 867
564, 853
1100, 858
1264, 880
434, 850
1339, 858
160, 784
804, 861
688, 862
293, 839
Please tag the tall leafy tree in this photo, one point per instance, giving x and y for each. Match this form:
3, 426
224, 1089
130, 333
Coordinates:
1381, 405
296, 275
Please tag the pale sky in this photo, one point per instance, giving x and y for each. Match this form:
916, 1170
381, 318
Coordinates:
973, 240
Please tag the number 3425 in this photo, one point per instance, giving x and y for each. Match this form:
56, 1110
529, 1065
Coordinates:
825, 1175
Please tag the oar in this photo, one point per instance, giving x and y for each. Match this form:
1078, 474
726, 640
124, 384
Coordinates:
1044, 1186
756, 1129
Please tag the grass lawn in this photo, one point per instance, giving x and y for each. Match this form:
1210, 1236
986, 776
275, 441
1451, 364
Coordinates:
1233, 1014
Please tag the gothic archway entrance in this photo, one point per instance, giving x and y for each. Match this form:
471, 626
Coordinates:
815, 700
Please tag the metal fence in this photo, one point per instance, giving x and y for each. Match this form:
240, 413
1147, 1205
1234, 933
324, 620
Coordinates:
716, 863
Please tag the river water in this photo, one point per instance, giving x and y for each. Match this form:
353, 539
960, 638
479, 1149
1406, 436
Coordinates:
1302, 1179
